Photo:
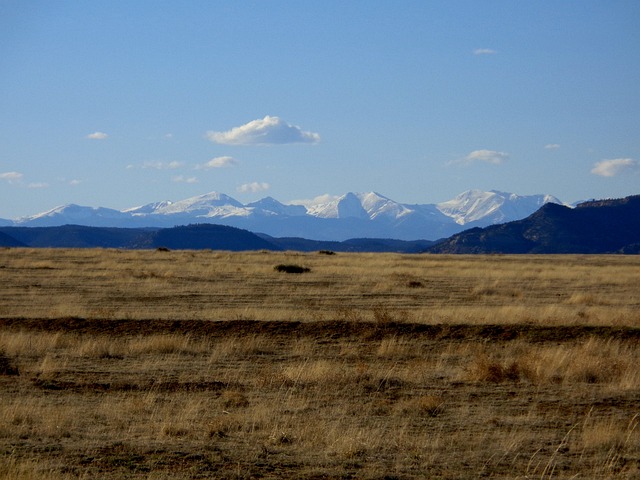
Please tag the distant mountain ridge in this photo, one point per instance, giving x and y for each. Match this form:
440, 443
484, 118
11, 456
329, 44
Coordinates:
190, 237
599, 226
352, 215
593, 227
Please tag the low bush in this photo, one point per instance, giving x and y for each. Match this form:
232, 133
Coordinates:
291, 268
6, 366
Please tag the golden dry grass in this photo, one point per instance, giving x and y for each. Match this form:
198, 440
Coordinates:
164, 365
150, 285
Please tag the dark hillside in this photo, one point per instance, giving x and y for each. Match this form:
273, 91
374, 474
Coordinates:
77, 236
190, 237
351, 245
9, 241
209, 236
604, 226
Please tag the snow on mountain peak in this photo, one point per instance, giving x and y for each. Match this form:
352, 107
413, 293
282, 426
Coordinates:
493, 206
271, 207
378, 205
367, 214
344, 206
60, 209
73, 214
470, 205
370, 205
201, 205
148, 208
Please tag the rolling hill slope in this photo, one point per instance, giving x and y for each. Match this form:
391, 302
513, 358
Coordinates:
604, 226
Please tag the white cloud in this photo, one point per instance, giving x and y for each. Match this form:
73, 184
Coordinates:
38, 185
97, 136
75, 182
218, 162
484, 51
157, 165
615, 166
11, 177
253, 187
161, 165
326, 198
266, 131
486, 156
183, 179
552, 146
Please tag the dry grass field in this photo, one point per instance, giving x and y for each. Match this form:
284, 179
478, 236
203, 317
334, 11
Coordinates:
179, 365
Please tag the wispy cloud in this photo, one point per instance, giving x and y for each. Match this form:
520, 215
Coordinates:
484, 51
166, 165
38, 185
159, 165
11, 177
218, 162
484, 156
183, 179
266, 131
75, 182
615, 166
552, 146
97, 136
253, 187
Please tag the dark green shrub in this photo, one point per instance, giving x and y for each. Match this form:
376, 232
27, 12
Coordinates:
291, 268
6, 366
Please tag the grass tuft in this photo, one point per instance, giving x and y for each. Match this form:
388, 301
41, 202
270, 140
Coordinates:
486, 369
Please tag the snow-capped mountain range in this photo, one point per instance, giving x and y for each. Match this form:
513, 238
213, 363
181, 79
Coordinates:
352, 215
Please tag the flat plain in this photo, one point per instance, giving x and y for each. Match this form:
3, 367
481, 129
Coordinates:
207, 364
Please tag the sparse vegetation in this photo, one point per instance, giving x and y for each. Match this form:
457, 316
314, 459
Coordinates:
123, 364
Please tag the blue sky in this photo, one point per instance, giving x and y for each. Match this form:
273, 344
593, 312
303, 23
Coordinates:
118, 104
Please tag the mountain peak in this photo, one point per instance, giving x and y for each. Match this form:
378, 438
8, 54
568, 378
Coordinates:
477, 205
148, 208
269, 206
201, 205
74, 214
351, 215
